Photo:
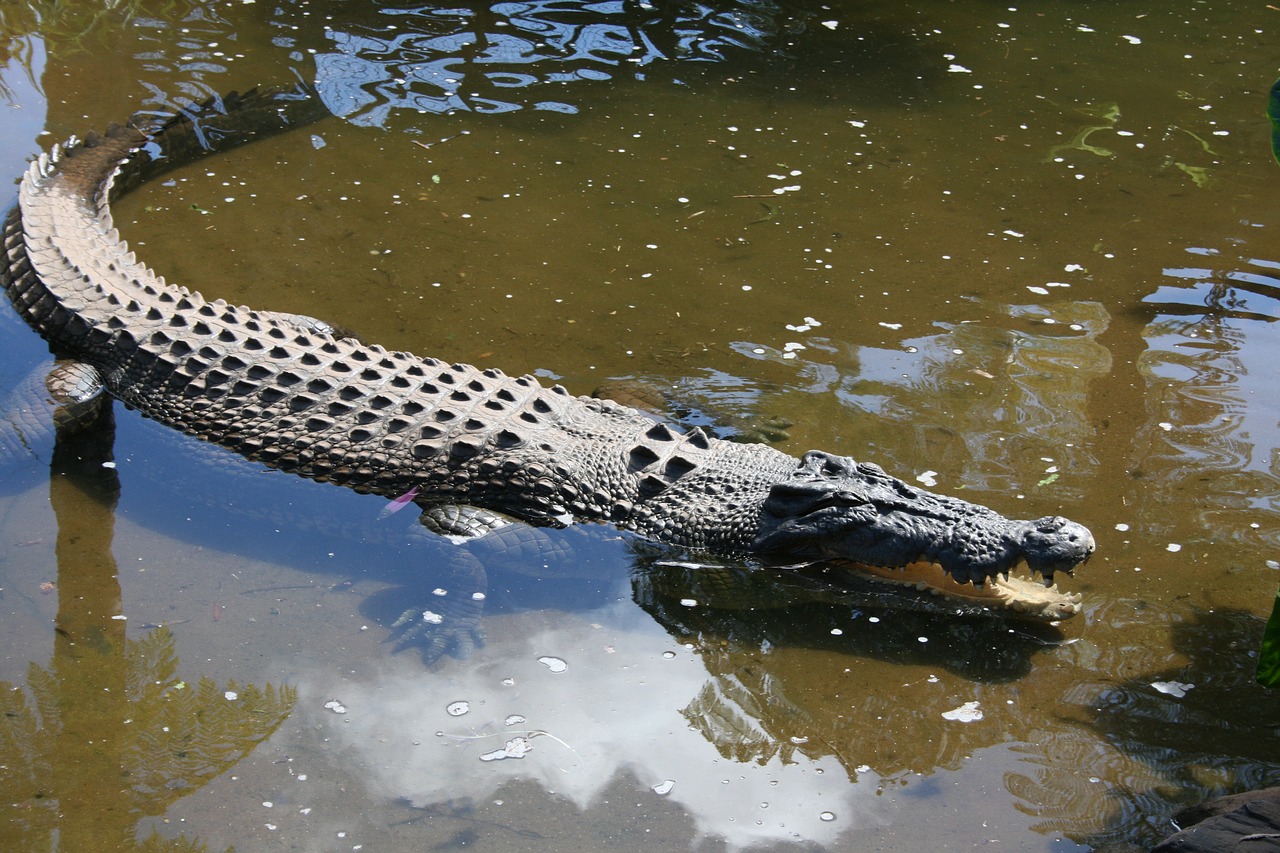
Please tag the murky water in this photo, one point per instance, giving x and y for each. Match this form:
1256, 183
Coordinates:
1022, 252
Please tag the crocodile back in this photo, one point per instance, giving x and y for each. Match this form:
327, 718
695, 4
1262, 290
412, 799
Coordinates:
325, 407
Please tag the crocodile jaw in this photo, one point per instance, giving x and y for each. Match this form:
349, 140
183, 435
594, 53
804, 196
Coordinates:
1010, 595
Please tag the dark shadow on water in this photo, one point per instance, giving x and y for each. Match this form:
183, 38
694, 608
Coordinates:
867, 624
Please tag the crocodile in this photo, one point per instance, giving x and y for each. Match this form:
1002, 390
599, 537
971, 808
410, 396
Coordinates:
478, 451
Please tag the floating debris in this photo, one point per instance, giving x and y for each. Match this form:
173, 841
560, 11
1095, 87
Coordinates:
399, 503
517, 747
553, 664
969, 712
1176, 689
335, 706
664, 787
457, 709
809, 323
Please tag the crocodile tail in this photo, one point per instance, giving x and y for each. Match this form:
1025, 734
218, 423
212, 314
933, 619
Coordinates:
217, 124
63, 287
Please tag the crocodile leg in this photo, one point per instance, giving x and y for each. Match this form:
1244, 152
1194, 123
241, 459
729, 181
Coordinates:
483, 540
67, 398
450, 622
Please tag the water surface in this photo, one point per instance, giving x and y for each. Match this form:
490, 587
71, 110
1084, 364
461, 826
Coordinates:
1021, 253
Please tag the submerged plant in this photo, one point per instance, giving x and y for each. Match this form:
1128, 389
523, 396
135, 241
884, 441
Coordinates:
1268, 672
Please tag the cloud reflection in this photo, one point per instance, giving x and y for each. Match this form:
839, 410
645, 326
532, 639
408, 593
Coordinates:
615, 711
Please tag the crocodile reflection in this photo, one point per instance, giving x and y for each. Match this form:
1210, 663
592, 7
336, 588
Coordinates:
755, 706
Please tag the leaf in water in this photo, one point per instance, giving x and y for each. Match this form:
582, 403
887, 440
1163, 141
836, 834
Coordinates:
1199, 174
517, 747
1268, 673
399, 503
969, 712
1176, 689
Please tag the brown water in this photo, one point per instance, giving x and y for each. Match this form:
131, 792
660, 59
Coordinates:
1035, 244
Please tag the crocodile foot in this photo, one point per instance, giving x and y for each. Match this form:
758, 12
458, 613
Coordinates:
436, 634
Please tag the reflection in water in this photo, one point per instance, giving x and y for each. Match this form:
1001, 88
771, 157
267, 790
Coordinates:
438, 59
1000, 405
1217, 738
110, 708
757, 702
24, 27
610, 713
1211, 377
735, 731
505, 56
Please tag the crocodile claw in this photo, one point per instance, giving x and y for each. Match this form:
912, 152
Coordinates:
436, 634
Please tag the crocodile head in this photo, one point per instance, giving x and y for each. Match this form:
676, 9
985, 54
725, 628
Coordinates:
860, 519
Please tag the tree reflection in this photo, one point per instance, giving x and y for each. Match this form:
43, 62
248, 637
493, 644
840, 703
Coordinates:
1208, 372
109, 734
